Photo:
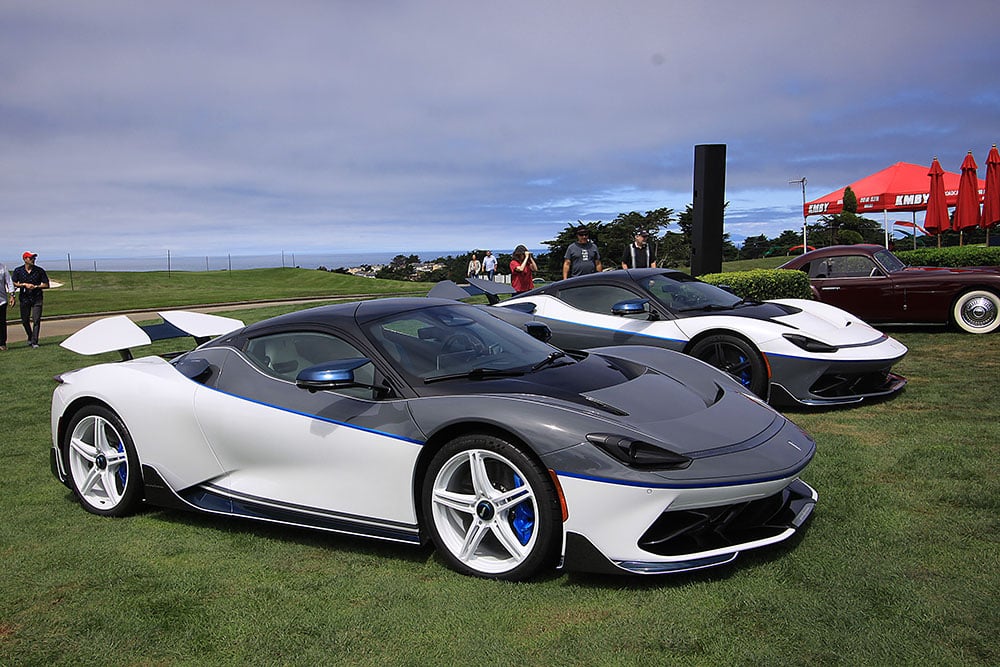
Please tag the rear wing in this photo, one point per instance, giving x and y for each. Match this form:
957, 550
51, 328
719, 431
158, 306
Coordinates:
447, 289
119, 333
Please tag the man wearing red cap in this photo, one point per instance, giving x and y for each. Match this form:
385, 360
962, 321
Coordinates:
32, 280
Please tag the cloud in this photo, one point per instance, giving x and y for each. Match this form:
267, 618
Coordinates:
255, 126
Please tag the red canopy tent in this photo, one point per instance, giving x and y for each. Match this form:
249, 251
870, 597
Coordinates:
901, 187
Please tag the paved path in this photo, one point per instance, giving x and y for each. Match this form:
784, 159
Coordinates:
69, 324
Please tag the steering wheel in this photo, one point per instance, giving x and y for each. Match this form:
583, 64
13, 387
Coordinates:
462, 342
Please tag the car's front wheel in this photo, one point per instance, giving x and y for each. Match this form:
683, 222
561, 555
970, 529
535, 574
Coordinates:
102, 463
491, 510
736, 357
977, 311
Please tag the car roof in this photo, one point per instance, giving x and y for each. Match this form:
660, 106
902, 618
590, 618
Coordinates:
833, 251
618, 275
345, 315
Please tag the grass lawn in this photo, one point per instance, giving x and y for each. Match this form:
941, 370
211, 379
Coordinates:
900, 563
105, 291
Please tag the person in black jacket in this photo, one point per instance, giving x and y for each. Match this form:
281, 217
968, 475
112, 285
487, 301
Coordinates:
32, 280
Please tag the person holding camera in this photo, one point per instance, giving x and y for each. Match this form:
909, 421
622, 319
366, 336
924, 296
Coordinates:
522, 270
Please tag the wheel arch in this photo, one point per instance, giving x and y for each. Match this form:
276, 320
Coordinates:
445, 435
746, 339
70, 412
700, 336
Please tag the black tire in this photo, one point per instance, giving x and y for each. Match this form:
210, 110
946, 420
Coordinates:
977, 311
100, 459
736, 357
479, 524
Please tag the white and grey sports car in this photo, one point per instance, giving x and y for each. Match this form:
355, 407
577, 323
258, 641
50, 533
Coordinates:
790, 351
416, 420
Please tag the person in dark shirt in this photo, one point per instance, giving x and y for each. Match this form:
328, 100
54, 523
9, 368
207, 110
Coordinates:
639, 255
581, 257
31, 280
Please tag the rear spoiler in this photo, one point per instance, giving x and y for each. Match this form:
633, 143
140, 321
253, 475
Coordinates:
447, 289
121, 334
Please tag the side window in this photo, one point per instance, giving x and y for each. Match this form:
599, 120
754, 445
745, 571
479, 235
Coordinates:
285, 355
851, 266
596, 298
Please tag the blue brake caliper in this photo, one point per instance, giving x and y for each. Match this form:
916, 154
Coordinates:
123, 468
522, 519
745, 375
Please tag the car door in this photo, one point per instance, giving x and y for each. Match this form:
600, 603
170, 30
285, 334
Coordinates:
858, 285
344, 457
581, 317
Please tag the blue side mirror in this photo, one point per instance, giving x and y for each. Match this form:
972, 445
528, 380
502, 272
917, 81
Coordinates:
630, 307
330, 374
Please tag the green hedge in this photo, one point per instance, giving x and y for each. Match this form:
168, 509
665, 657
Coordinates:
763, 284
969, 255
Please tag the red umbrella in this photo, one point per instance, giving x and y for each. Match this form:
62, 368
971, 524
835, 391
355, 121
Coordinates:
901, 187
967, 207
991, 201
936, 220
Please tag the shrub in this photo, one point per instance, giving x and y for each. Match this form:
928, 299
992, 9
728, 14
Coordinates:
764, 284
968, 255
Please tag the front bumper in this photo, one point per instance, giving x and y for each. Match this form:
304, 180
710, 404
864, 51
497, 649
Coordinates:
812, 382
623, 529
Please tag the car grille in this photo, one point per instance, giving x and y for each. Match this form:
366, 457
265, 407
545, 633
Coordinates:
682, 532
837, 385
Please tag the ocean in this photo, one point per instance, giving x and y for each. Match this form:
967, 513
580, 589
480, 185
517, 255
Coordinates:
170, 262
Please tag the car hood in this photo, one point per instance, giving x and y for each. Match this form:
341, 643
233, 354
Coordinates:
825, 323
689, 419
964, 270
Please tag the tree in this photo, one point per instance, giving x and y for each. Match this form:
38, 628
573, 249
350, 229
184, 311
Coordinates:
675, 251
400, 268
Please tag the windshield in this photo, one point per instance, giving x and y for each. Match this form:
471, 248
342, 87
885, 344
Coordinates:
449, 340
680, 292
889, 261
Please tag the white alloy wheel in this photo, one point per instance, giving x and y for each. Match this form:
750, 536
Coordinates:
977, 312
491, 510
101, 461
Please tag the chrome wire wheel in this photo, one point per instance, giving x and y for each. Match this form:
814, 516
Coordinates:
100, 459
977, 311
491, 510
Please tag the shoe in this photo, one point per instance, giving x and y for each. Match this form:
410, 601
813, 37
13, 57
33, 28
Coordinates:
3, 348
34, 346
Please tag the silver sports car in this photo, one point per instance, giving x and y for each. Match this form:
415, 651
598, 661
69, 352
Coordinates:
416, 420
788, 351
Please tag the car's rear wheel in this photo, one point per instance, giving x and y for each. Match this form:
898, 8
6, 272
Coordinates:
491, 510
977, 311
103, 467
736, 357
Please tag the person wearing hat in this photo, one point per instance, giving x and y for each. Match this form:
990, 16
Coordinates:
32, 280
581, 257
6, 299
638, 254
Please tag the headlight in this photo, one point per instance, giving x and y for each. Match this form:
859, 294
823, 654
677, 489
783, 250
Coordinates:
638, 454
809, 344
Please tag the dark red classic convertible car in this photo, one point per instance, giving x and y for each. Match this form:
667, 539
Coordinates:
872, 283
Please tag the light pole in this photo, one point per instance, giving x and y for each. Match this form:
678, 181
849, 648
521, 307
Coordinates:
805, 245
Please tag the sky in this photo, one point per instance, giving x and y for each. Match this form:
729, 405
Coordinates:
128, 129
